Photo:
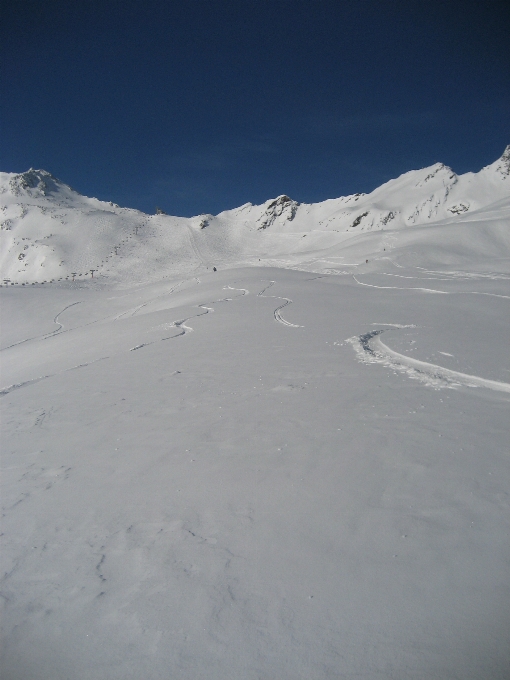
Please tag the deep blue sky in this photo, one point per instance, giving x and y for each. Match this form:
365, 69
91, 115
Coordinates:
198, 106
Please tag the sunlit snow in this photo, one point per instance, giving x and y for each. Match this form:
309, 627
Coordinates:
293, 467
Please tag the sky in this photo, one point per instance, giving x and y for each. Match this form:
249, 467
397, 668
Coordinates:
200, 106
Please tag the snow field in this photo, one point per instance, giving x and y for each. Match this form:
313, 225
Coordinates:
248, 499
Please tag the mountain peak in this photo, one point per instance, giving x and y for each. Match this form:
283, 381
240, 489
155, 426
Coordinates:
36, 181
49, 233
503, 164
281, 206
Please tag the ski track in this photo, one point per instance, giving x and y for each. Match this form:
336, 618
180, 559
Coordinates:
431, 290
134, 310
194, 246
131, 312
370, 349
16, 386
425, 290
55, 320
395, 325
386, 257
246, 291
276, 312
7, 390
494, 276
181, 324
415, 278
45, 335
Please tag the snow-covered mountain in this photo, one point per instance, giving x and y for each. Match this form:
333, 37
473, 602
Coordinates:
258, 472
50, 233
416, 197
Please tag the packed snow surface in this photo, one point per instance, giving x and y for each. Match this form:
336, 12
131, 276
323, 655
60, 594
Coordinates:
294, 467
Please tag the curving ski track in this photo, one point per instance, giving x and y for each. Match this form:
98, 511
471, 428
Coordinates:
45, 335
181, 324
131, 312
276, 312
370, 349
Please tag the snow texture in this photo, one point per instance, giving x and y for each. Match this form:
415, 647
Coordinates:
294, 467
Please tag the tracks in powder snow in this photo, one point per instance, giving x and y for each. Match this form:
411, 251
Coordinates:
16, 386
181, 324
45, 335
183, 328
427, 290
134, 310
207, 310
370, 349
128, 313
277, 311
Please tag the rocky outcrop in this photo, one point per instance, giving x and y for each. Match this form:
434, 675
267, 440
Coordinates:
283, 207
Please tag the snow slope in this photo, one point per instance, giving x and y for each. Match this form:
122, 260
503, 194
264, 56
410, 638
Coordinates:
50, 233
261, 472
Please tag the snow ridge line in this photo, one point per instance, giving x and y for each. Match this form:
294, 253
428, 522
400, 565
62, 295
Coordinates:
276, 312
370, 349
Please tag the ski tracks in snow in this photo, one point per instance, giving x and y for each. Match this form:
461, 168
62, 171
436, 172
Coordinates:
45, 335
55, 320
134, 310
370, 349
277, 311
243, 291
183, 328
427, 290
181, 323
16, 386
207, 310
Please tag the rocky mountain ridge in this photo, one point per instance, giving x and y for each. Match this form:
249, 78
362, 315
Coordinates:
51, 233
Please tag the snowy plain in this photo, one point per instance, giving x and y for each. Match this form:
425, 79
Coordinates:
296, 467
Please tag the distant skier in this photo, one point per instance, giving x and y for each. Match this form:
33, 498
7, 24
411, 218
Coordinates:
214, 269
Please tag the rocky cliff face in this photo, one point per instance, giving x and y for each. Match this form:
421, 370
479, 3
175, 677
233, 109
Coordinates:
503, 165
282, 207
